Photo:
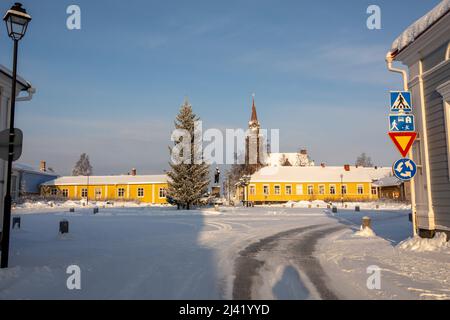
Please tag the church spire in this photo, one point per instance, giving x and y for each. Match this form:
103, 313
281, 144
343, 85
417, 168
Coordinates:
254, 119
254, 114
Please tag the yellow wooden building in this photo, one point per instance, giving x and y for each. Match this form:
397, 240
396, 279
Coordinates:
145, 188
283, 184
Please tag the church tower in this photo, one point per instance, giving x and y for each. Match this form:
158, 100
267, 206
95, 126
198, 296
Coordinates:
253, 140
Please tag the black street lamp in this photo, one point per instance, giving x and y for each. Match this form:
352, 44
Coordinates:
17, 21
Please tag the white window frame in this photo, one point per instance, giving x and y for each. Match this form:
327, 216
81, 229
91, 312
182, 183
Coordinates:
299, 187
266, 187
286, 189
358, 187
140, 192
334, 187
322, 186
374, 189
308, 190
344, 186
444, 90
275, 187
98, 195
162, 193
65, 193
84, 192
54, 191
252, 189
119, 192
447, 131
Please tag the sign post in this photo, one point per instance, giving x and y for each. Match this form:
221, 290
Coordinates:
402, 133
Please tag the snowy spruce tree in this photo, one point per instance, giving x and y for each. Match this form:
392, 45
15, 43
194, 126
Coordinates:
83, 166
189, 174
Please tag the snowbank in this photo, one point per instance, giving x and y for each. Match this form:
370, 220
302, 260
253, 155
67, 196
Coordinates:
371, 205
365, 233
438, 244
306, 204
31, 205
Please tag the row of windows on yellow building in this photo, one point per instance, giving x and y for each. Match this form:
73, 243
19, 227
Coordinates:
283, 192
147, 189
143, 193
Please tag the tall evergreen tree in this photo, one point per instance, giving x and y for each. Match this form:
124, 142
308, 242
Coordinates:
188, 178
83, 166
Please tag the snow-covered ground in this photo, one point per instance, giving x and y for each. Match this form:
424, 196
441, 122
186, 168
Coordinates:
161, 253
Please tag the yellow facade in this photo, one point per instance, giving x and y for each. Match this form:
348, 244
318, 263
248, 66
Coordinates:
153, 193
268, 192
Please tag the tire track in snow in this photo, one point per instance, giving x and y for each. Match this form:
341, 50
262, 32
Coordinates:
247, 265
310, 265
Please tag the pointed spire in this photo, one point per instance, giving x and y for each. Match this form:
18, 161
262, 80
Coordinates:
254, 114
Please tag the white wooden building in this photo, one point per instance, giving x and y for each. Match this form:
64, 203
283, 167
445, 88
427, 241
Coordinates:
25, 92
424, 48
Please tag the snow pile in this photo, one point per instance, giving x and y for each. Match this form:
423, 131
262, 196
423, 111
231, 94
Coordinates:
438, 243
417, 28
371, 205
39, 205
306, 204
365, 233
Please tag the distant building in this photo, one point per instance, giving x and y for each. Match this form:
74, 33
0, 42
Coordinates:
391, 188
425, 48
26, 180
283, 184
145, 188
258, 153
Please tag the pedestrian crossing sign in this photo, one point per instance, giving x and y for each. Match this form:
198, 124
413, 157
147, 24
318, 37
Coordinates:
401, 101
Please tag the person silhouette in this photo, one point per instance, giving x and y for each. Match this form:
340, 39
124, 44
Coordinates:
394, 126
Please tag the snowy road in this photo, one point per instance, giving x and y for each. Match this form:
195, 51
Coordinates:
161, 253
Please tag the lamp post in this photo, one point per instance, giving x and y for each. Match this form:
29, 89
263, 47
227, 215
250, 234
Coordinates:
245, 181
16, 20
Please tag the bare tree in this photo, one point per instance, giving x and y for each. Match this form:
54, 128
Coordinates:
364, 161
83, 166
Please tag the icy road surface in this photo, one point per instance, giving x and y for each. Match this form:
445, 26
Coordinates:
162, 253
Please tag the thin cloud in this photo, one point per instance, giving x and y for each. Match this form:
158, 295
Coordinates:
355, 63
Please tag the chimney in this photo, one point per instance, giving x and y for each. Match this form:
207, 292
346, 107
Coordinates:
304, 151
43, 166
347, 167
323, 165
133, 172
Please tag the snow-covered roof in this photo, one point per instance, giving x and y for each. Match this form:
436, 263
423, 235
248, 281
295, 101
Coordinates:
27, 168
107, 180
390, 181
420, 26
20, 80
319, 174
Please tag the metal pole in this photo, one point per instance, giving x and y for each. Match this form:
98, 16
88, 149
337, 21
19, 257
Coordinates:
7, 203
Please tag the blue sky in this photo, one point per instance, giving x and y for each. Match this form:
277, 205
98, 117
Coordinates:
113, 88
